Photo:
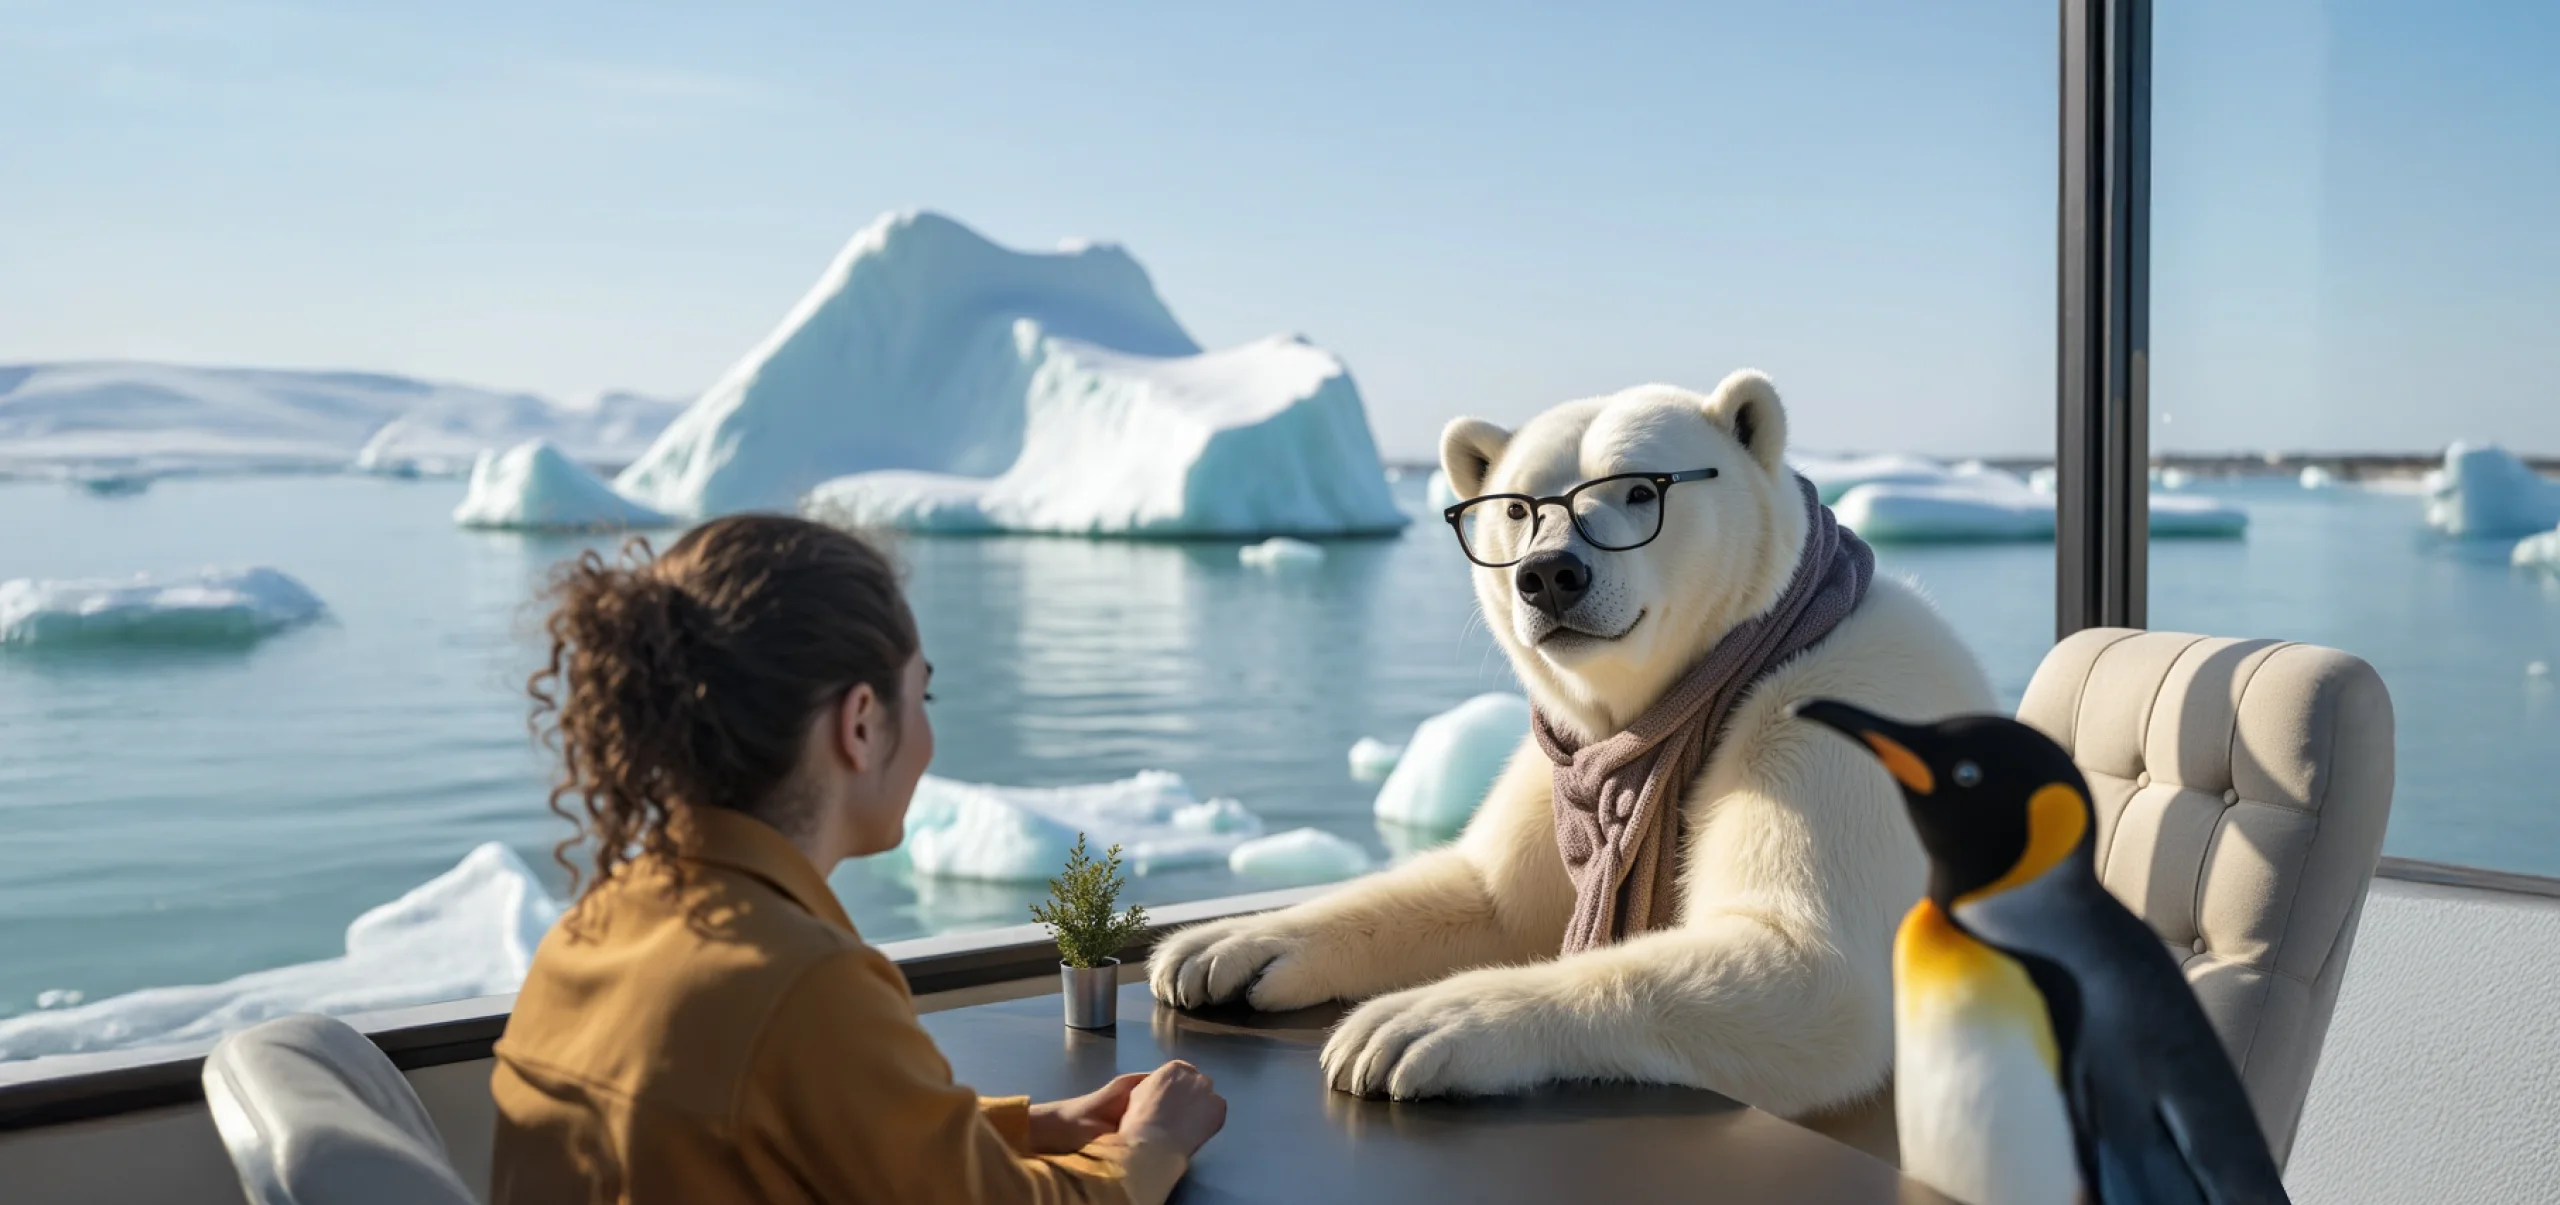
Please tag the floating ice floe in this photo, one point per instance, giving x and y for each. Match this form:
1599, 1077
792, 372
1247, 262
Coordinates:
1982, 503
470, 931
1373, 759
1023, 834
211, 607
933, 380
1280, 552
2540, 551
1301, 855
532, 487
2486, 492
1452, 761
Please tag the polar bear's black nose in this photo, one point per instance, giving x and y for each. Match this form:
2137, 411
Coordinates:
1552, 581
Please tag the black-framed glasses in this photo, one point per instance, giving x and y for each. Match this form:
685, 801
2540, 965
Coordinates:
1614, 513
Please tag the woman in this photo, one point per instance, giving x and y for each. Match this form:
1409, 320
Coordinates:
733, 719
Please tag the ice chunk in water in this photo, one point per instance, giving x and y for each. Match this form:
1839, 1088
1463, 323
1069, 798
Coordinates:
470, 931
1022, 834
1452, 761
1301, 855
214, 606
532, 487
1373, 759
1280, 552
2539, 551
2487, 491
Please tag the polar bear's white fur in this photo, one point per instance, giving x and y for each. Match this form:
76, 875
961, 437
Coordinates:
1775, 987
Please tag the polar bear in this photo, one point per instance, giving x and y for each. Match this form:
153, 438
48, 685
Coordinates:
1773, 984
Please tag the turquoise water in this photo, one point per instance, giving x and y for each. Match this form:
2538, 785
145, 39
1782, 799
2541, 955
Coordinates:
184, 817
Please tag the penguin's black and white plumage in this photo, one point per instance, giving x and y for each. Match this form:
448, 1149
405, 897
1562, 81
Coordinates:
2046, 1048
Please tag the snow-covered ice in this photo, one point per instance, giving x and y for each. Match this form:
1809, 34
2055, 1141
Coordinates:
1022, 834
1452, 760
1977, 502
533, 487
139, 416
2487, 492
1301, 855
470, 931
934, 380
1373, 759
210, 607
1281, 552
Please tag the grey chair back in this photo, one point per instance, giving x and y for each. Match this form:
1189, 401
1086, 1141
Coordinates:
313, 1113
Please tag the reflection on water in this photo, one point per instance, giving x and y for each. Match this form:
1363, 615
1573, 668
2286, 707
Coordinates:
183, 816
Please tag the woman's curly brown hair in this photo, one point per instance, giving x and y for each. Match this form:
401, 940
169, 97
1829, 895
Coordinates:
691, 678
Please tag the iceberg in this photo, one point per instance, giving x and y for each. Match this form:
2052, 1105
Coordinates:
1979, 503
1373, 759
1022, 834
533, 487
1301, 855
1280, 552
1452, 762
470, 931
211, 607
167, 417
2488, 492
932, 380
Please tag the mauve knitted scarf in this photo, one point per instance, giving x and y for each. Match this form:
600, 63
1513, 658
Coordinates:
1617, 802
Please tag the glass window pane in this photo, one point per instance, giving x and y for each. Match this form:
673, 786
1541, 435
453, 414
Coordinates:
1074, 393
2354, 275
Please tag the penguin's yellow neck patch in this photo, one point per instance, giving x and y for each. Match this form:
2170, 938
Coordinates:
2056, 820
1946, 981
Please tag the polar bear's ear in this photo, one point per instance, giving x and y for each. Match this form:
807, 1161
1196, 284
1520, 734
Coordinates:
1468, 447
1746, 405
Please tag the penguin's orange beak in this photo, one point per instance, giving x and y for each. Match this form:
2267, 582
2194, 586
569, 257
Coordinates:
1879, 735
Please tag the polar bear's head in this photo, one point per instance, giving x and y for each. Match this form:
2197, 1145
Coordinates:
1597, 635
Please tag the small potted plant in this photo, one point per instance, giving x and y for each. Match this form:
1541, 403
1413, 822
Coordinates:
1081, 917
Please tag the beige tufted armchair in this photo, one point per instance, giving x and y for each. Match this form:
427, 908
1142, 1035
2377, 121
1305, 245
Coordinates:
2241, 789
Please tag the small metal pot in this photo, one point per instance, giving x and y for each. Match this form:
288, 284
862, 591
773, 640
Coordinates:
1093, 994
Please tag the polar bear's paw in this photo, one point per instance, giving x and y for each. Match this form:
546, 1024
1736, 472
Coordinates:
1247, 957
1470, 1035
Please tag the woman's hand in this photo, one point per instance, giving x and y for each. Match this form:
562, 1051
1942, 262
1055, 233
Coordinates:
1063, 1126
1176, 1105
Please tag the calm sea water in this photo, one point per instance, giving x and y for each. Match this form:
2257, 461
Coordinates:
179, 818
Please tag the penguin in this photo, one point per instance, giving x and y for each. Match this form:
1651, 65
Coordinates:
2046, 1048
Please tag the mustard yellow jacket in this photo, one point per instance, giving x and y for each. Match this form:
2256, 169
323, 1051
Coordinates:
726, 1036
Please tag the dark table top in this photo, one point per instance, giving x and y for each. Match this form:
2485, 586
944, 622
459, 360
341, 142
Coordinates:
1291, 1138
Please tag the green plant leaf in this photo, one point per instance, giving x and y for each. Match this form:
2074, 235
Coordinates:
1081, 911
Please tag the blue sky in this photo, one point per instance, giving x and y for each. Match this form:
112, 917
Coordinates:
1485, 208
